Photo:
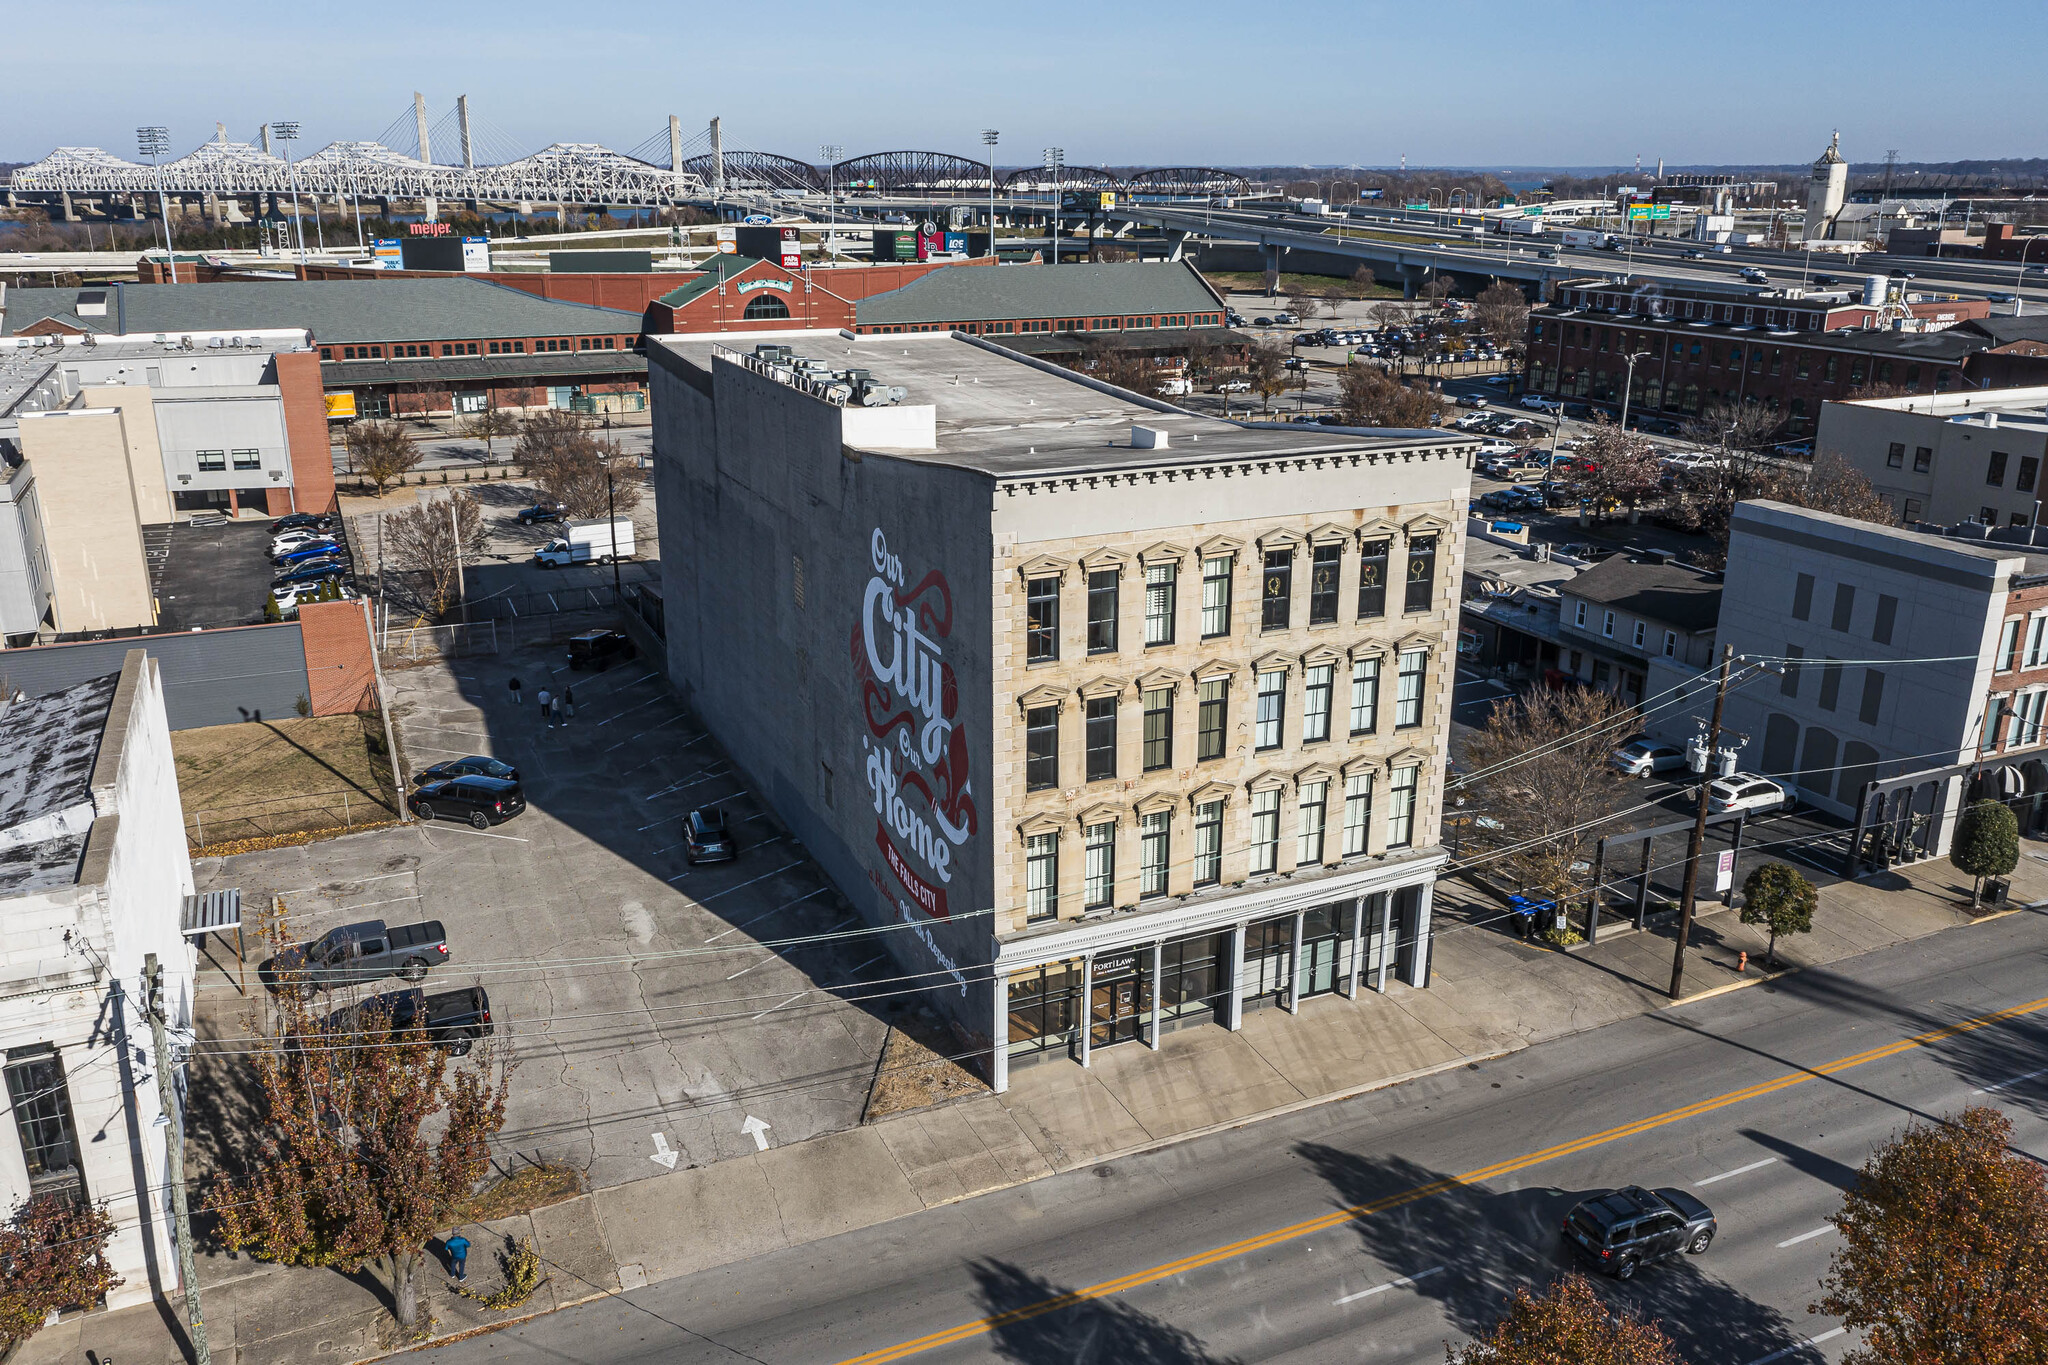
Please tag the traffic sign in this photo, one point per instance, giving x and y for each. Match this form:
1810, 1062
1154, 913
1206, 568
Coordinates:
1654, 212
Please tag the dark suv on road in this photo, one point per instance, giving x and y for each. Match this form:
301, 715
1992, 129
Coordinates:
1620, 1230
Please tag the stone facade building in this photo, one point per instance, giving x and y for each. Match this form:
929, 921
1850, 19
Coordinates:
1134, 719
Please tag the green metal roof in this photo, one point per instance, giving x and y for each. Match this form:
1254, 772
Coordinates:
991, 293
717, 270
337, 312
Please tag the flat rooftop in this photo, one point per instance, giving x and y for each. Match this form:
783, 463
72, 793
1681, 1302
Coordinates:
2026, 408
1012, 417
48, 746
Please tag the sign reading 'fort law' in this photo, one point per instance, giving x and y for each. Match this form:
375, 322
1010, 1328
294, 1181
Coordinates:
916, 753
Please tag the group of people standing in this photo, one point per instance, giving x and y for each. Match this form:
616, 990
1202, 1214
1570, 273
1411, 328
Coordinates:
555, 710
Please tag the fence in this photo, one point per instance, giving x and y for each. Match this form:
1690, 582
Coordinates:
302, 813
410, 643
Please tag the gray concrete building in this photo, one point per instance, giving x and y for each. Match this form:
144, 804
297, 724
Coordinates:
1107, 718
1946, 458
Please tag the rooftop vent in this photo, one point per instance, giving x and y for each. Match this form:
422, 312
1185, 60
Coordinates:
1149, 438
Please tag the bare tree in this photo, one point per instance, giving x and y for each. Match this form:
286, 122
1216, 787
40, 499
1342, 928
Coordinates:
426, 542
384, 452
1616, 466
546, 434
1362, 279
1266, 367
488, 426
1111, 364
1303, 301
1370, 397
1502, 312
1389, 315
1204, 355
1439, 288
1540, 768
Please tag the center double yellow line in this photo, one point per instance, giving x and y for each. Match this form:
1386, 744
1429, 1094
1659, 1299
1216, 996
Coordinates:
1337, 1218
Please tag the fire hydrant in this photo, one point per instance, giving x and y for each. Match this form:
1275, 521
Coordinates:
1742, 964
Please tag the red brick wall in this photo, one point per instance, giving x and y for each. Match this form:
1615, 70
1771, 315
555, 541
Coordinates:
339, 670
305, 429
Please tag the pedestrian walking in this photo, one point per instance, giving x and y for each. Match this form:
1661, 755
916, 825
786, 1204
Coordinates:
547, 707
514, 685
458, 1257
568, 705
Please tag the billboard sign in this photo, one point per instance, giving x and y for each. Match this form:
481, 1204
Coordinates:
476, 254
1372, 192
341, 407
757, 219
930, 243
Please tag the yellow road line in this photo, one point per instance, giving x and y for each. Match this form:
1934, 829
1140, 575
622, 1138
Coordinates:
1153, 1274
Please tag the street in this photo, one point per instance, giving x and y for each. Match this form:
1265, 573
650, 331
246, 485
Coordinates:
1379, 1227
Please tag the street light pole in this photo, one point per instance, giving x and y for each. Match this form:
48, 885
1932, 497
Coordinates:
989, 137
156, 142
2019, 276
1628, 389
1699, 829
287, 132
831, 152
1055, 158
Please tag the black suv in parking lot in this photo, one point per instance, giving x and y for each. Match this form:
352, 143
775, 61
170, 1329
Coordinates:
596, 648
483, 801
706, 838
1620, 1230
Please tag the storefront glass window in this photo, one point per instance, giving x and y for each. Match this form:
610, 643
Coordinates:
1194, 975
1268, 951
1042, 1007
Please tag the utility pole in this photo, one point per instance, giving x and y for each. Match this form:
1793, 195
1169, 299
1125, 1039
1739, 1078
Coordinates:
1699, 829
174, 1140
455, 544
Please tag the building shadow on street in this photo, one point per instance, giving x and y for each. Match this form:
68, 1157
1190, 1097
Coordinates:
1036, 1322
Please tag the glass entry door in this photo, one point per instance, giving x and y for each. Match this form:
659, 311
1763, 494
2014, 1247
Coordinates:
1268, 951
1121, 998
1326, 948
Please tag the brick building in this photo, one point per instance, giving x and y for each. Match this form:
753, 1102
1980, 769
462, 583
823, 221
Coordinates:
1143, 725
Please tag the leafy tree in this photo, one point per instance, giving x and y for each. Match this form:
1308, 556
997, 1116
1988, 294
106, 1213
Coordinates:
1541, 770
1266, 367
370, 1140
1567, 1324
53, 1254
489, 426
1940, 1261
1986, 843
383, 452
1370, 397
1778, 896
424, 541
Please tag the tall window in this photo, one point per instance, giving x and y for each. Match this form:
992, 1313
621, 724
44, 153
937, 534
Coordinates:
1421, 574
1158, 728
1159, 603
1041, 876
1372, 580
1101, 849
1276, 593
41, 1101
1408, 688
1401, 807
1208, 843
1357, 813
1216, 596
1041, 748
1365, 695
1102, 585
1272, 705
1315, 705
1322, 584
1308, 836
1265, 831
1101, 738
1153, 834
1213, 706
1041, 620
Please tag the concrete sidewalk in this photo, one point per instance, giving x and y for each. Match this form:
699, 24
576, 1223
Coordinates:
1492, 994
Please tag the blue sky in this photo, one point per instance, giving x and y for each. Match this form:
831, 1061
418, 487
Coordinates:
1446, 83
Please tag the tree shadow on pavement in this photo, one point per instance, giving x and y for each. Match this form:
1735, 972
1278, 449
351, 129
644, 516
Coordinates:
1103, 1331
1469, 1248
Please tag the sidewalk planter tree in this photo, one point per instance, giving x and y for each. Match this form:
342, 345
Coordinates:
1940, 1261
1777, 897
1568, 1324
1987, 844
384, 452
54, 1255
369, 1142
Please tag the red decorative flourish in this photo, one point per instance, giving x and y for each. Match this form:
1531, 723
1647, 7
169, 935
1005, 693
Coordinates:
937, 624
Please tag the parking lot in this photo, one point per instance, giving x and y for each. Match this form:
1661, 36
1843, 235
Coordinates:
640, 1001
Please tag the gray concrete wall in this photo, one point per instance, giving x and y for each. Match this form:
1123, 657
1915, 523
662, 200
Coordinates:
211, 677
1953, 488
775, 540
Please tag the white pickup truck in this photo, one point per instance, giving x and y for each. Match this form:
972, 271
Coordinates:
588, 542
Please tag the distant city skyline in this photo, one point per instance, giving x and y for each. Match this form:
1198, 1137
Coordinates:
1589, 88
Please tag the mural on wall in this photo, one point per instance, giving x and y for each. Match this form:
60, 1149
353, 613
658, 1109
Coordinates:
916, 753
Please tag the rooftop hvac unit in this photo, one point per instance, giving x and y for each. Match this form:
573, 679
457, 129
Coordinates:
216, 343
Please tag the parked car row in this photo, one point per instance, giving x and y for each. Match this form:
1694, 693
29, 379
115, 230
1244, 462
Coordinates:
308, 553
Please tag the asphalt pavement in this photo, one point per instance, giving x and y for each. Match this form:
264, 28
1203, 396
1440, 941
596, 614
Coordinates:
1381, 1227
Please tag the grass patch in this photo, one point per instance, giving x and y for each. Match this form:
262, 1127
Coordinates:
1252, 282
269, 779
527, 1189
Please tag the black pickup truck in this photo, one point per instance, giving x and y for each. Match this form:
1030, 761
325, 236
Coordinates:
453, 1020
355, 953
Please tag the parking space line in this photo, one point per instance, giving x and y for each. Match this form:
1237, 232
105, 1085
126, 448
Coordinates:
766, 913
791, 1001
481, 834
1794, 1349
1739, 1170
865, 965
743, 885
1806, 1236
744, 970
630, 710
1390, 1284
2015, 1080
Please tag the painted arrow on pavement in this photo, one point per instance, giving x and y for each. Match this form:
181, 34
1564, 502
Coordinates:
663, 1153
756, 1130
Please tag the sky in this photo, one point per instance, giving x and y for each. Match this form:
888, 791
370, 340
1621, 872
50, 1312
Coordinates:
1445, 83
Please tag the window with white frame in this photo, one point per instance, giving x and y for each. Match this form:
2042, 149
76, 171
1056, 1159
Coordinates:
1265, 831
1670, 644
1159, 600
2037, 638
1216, 596
1365, 695
1041, 876
1315, 704
1272, 704
1308, 829
1414, 665
1208, 843
1100, 841
1579, 614
2009, 645
1637, 638
1401, 807
2027, 710
1154, 831
1357, 813
1607, 624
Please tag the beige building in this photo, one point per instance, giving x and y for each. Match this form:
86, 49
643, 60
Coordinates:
79, 459
1182, 757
